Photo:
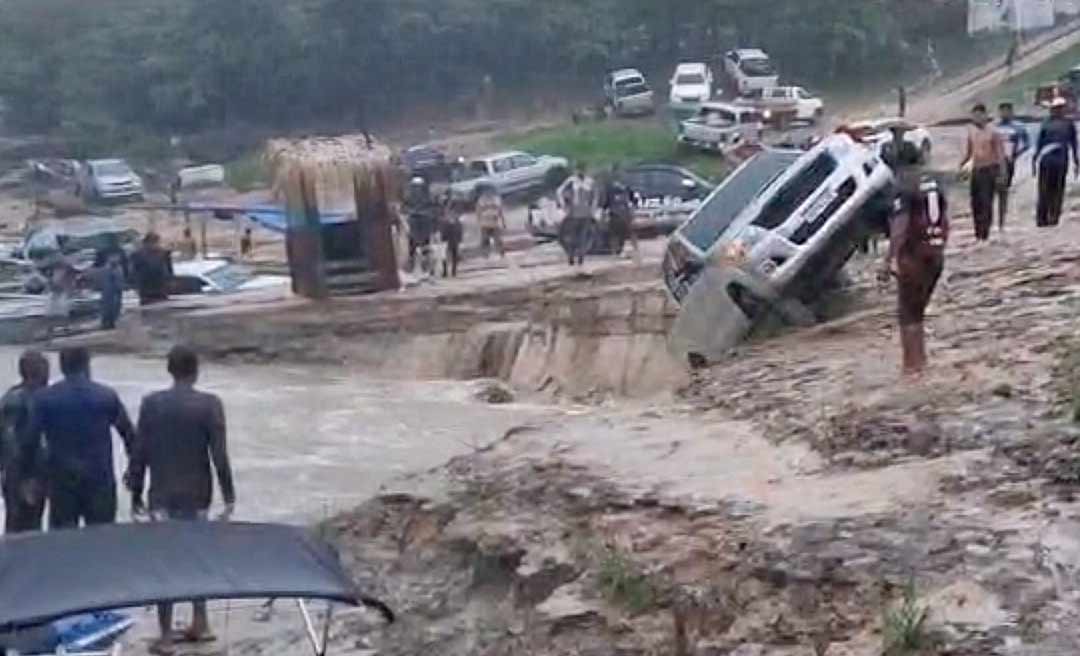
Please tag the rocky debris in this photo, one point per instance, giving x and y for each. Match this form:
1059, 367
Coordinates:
495, 392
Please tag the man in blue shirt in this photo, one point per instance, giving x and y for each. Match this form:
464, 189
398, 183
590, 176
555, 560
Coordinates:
1017, 142
76, 417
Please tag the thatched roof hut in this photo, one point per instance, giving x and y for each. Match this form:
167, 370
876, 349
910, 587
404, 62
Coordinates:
351, 174
335, 166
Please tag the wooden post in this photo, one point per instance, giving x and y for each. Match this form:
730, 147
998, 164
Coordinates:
303, 238
370, 197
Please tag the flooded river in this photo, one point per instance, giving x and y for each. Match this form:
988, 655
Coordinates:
308, 441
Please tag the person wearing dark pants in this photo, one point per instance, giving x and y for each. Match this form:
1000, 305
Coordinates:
1057, 144
112, 293
20, 452
1017, 143
181, 433
452, 233
986, 152
76, 417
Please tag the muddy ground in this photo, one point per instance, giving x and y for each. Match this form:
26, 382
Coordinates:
798, 498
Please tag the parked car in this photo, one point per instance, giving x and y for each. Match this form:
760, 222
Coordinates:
509, 172
426, 161
219, 276
788, 219
691, 85
628, 94
719, 126
876, 133
664, 195
786, 104
750, 69
109, 179
77, 238
661, 181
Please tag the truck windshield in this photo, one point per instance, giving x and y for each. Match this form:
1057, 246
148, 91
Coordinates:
757, 67
112, 168
738, 191
630, 87
690, 78
796, 191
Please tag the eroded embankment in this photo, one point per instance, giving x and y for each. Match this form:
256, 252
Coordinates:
575, 335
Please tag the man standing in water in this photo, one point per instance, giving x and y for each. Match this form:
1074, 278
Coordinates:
181, 431
986, 152
578, 198
76, 417
22, 483
1057, 142
1017, 143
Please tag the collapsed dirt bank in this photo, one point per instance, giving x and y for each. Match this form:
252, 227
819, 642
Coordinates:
800, 499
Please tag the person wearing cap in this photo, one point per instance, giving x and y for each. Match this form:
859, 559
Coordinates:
1056, 143
1017, 143
986, 152
917, 236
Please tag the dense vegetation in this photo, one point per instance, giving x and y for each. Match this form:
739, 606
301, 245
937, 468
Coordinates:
180, 66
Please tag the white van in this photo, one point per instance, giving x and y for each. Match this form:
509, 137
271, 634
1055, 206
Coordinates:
691, 85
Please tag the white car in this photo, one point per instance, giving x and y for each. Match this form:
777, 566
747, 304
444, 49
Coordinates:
691, 85
509, 172
628, 94
750, 69
109, 179
877, 134
218, 276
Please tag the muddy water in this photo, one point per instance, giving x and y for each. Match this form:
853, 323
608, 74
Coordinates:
307, 441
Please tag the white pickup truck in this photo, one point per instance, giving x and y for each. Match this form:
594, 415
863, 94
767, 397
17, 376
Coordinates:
785, 104
721, 126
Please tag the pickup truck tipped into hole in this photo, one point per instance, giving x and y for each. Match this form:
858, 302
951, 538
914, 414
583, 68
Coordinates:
778, 230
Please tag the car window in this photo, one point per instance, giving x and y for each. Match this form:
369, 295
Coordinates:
778, 93
716, 215
757, 67
802, 94
662, 183
690, 78
795, 192
503, 165
181, 285
524, 161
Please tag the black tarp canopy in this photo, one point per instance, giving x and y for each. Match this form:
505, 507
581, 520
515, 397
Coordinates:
48, 576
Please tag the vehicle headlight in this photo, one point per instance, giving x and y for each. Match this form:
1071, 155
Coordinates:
767, 114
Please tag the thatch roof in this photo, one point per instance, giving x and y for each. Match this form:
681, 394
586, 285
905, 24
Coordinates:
331, 164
